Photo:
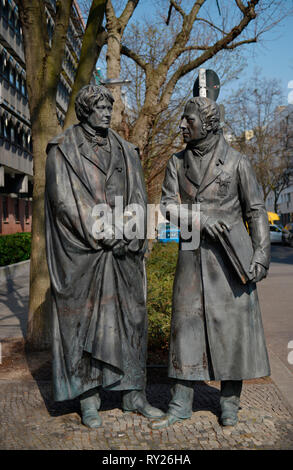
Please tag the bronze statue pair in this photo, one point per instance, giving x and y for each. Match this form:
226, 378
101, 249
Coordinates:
98, 278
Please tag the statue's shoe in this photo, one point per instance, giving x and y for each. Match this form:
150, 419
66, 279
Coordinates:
91, 418
167, 420
229, 419
89, 412
229, 414
146, 410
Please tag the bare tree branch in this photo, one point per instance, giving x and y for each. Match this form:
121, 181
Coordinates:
136, 57
221, 44
127, 13
241, 6
212, 25
178, 8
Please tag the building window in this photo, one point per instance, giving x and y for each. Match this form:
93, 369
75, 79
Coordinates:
16, 209
6, 70
27, 211
12, 133
11, 75
18, 82
19, 137
5, 11
23, 87
5, 208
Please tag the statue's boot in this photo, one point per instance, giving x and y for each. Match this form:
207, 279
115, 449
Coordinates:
229, 401
135, 401
167, 420
89, 404
180, 406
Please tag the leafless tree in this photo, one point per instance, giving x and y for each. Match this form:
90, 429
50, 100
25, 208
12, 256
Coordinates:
260, 128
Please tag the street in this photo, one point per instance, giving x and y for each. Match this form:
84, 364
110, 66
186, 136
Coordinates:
276, 300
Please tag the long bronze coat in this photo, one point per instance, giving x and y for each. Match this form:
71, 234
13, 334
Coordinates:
98, 300
216, 328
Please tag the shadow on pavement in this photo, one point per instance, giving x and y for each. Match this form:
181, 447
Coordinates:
15, 302
206, 397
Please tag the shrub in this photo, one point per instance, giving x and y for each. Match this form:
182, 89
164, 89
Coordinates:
15, 248
160, 273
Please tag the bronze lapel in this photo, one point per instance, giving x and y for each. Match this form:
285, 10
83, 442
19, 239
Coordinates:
116, 161
88, 153
215, 167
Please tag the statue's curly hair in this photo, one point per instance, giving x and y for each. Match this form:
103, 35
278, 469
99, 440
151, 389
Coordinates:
209, 113
87, 97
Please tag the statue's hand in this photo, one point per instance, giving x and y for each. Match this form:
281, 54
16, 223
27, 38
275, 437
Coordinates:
259, 271
109, 243
213, 227
120, 249
108, 240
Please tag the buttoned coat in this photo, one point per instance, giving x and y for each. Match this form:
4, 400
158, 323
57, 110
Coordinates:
216, 327
98, 300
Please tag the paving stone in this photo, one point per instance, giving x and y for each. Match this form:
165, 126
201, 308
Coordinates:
30, 419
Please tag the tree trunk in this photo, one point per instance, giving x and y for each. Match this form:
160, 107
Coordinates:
38, 330
113, 71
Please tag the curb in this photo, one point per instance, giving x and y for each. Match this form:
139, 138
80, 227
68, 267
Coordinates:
12, 271
282, 378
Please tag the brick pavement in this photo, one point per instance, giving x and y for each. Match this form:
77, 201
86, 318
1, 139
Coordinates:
31, 420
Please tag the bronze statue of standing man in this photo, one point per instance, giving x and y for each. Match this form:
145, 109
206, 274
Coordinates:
216, 328
97, 282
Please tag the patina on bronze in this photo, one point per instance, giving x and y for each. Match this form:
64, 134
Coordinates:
216, 328
97, 285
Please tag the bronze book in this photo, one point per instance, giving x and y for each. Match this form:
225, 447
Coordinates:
238, 247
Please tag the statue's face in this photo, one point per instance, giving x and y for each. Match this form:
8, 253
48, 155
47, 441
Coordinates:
191, 125
100, 116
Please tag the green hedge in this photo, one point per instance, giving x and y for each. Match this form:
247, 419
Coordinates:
14, 248
160, 274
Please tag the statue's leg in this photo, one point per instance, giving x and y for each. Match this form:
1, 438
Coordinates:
229, 401
180, 406
90, 403
136, 401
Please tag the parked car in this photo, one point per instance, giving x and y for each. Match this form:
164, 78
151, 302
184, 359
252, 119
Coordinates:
289, 228
168, 233
278, 234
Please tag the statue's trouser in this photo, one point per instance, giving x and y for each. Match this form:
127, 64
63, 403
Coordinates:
182, 396
133, 399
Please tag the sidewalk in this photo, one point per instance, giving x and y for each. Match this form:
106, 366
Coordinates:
31, 420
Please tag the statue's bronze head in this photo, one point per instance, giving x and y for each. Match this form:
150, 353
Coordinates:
88, 98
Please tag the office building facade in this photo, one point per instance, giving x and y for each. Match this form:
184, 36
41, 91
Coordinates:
16, 160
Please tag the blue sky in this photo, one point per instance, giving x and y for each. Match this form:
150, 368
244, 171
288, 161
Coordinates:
273, 56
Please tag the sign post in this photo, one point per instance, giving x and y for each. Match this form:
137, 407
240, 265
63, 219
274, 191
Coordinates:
207, 84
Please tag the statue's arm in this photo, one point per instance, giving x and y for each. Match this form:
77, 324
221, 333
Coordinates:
170, 199
254, 212
69, 214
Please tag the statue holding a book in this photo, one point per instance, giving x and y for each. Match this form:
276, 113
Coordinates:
216, 327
